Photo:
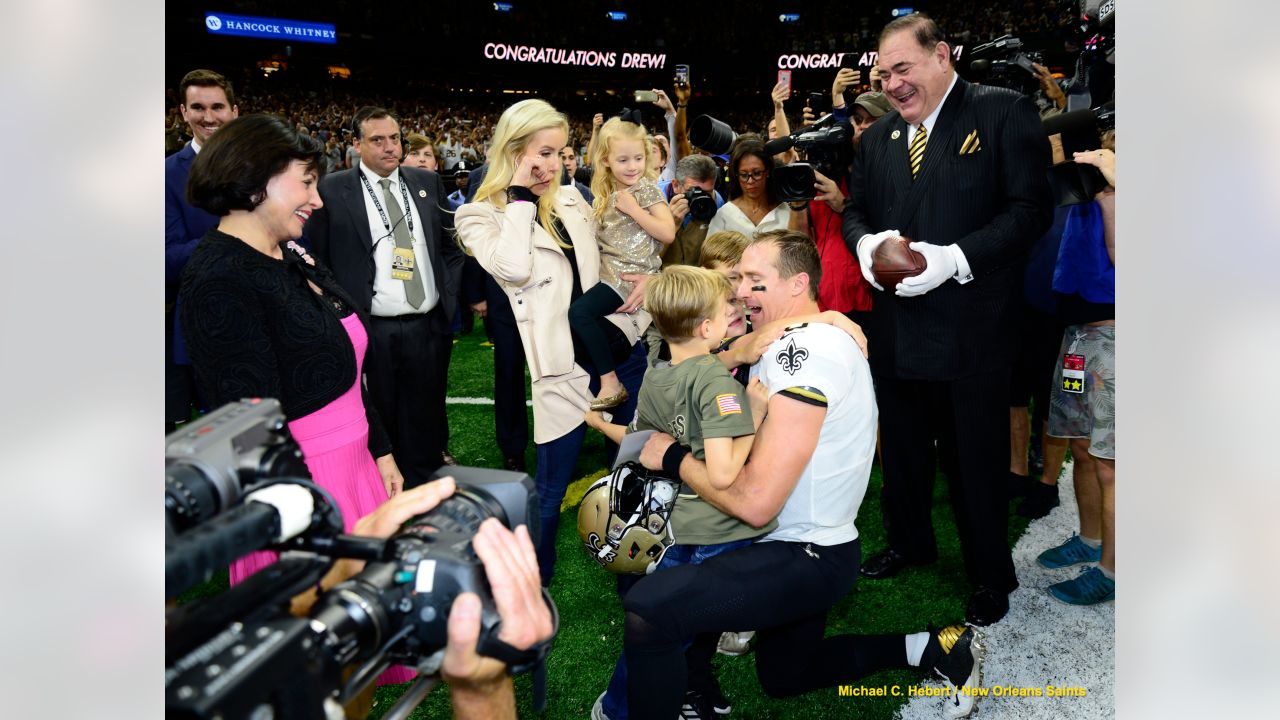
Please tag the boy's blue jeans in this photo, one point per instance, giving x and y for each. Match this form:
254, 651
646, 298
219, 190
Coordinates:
614, 703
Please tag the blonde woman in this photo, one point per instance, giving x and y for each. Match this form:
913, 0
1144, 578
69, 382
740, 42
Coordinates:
537, 238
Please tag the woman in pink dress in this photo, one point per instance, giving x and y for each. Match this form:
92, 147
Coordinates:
262, 319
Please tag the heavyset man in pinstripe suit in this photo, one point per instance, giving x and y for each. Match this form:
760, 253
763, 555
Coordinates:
960, 170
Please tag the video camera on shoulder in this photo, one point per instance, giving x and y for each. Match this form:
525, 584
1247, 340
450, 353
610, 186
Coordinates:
235, 483
1005, 62
828, 149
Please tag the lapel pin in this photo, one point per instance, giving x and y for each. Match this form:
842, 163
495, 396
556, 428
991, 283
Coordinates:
422, 193
896, 134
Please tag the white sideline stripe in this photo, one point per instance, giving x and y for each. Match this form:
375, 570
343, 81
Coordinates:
476, 401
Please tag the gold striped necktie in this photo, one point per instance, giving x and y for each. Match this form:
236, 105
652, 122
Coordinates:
916, 152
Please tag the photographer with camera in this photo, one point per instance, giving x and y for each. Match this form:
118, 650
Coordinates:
842, 288
694, 201
754, 205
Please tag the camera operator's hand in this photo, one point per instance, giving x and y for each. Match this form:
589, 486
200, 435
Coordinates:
845, 79
664, 102
806, 116
479, 686
635, 300
390, 515
828, 192
381, 523
392, 480
1104, 160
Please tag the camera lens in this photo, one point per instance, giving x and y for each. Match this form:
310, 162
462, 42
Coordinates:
461, 513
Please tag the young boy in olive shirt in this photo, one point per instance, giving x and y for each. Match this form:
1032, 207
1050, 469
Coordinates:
695, 399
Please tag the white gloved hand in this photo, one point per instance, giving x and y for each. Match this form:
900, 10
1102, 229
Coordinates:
940, 267
867, 247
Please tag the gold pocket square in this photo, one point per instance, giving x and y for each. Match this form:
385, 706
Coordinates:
971, 144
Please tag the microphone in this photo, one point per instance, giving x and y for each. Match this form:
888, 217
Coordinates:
779, 145
273, 514
786, 142
1070, 123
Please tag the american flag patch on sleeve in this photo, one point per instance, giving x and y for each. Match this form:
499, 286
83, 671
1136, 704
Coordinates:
728, 404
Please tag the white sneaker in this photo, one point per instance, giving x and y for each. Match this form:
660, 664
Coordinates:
735, 643
960, 667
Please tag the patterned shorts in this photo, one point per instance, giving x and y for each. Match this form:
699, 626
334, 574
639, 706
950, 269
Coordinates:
1091, 414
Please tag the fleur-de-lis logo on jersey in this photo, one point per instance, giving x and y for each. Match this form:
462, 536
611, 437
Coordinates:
791, 358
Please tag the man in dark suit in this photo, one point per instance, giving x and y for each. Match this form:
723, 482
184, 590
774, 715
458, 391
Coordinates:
960, 170
208, 103
386, 233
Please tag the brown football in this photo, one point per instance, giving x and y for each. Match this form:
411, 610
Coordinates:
893, 261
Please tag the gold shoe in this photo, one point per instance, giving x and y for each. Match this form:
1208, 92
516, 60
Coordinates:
612, 401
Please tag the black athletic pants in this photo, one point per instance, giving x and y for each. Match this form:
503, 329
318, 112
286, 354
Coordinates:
782, 589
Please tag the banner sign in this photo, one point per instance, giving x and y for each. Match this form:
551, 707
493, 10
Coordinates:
585, 58
270, 28
832, 60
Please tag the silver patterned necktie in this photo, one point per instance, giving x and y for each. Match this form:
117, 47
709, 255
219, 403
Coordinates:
413, 291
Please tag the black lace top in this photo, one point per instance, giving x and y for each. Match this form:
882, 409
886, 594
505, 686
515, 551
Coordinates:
255, 328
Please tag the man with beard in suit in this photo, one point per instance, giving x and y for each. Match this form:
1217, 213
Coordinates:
960, 170
386, 233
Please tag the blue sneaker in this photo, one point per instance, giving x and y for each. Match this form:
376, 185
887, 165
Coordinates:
1090, 587
1071, 552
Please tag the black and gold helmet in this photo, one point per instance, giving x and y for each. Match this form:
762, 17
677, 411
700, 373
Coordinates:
624, 519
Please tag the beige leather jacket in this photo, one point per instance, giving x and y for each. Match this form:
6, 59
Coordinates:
535, 274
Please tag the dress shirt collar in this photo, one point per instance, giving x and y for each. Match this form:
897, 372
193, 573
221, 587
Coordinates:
932, 120
374, 177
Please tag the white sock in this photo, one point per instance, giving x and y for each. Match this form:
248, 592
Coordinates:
916, 643
1095, 544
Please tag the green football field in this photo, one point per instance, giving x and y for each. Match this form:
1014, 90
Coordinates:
590, 611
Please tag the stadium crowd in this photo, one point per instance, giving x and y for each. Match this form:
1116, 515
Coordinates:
650, 280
